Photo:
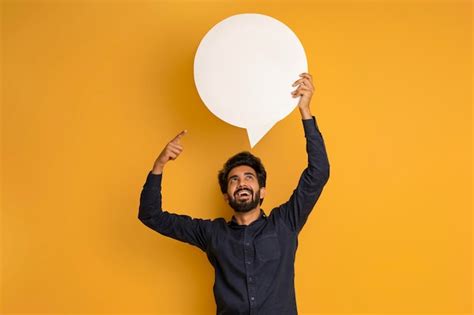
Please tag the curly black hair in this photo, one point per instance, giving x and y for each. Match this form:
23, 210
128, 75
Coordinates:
242, 158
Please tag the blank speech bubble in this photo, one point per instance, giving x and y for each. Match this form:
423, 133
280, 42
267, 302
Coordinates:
244, 69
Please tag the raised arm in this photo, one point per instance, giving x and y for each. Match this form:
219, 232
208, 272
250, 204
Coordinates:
180, 227
297, 209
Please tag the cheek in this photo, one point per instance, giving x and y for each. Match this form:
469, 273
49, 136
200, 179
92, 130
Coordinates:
230, 189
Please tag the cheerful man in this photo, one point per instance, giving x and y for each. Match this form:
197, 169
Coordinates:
253, 254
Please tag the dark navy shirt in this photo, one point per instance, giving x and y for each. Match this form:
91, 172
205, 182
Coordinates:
254, 264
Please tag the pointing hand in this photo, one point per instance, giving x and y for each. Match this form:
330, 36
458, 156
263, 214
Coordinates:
170, 152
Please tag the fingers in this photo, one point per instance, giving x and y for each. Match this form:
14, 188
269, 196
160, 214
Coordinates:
304, 86
173, 150
179, 136
307, 75
170, 152
305, 79
302, 91
175, 146
173, 154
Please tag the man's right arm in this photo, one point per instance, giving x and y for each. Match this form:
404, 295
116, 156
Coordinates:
180, 227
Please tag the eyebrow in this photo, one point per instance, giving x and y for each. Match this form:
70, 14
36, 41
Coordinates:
246, 173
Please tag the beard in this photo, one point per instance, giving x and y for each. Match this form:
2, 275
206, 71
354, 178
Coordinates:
245, 206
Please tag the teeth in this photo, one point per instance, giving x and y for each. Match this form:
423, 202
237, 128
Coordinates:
243, 193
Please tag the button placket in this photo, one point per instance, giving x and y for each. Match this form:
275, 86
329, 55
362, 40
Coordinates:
249, 257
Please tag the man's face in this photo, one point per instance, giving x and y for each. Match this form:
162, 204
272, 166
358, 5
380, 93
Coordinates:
243, 191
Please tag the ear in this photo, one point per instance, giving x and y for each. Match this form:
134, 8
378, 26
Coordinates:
226, 197
262, 192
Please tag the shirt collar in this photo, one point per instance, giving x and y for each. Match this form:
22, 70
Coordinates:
261, 217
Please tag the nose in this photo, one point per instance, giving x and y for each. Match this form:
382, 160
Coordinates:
241, 185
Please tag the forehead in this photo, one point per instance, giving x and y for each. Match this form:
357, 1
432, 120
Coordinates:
240, 170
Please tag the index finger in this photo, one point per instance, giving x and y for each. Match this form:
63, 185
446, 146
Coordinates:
179, 136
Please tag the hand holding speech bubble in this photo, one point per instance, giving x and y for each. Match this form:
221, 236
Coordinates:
244, 69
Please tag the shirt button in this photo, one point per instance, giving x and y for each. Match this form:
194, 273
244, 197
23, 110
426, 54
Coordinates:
247, 244
252, 298
249, 262
250, 279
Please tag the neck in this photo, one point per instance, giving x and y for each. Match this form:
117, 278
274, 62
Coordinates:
245, 218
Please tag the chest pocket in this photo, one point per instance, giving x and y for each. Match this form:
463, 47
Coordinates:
267, 247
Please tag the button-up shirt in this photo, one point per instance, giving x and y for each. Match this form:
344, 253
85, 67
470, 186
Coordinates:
254, 264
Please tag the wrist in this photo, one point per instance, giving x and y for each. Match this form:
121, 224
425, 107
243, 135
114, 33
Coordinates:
306, 113
157, 169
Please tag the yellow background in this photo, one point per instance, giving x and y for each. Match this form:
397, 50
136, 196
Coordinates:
92, 90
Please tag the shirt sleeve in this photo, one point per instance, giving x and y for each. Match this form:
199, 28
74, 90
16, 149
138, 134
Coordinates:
296, 210
180, 227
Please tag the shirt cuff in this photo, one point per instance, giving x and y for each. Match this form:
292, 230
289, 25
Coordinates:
153, 179
310, 126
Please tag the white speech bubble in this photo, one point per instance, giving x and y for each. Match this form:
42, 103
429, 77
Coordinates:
244, 68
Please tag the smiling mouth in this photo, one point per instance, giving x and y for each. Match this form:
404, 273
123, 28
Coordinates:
243, 193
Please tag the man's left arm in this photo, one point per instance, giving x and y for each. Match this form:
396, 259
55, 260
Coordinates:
297, 209
312, 181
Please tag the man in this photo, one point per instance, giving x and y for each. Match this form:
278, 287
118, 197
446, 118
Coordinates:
253, 254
